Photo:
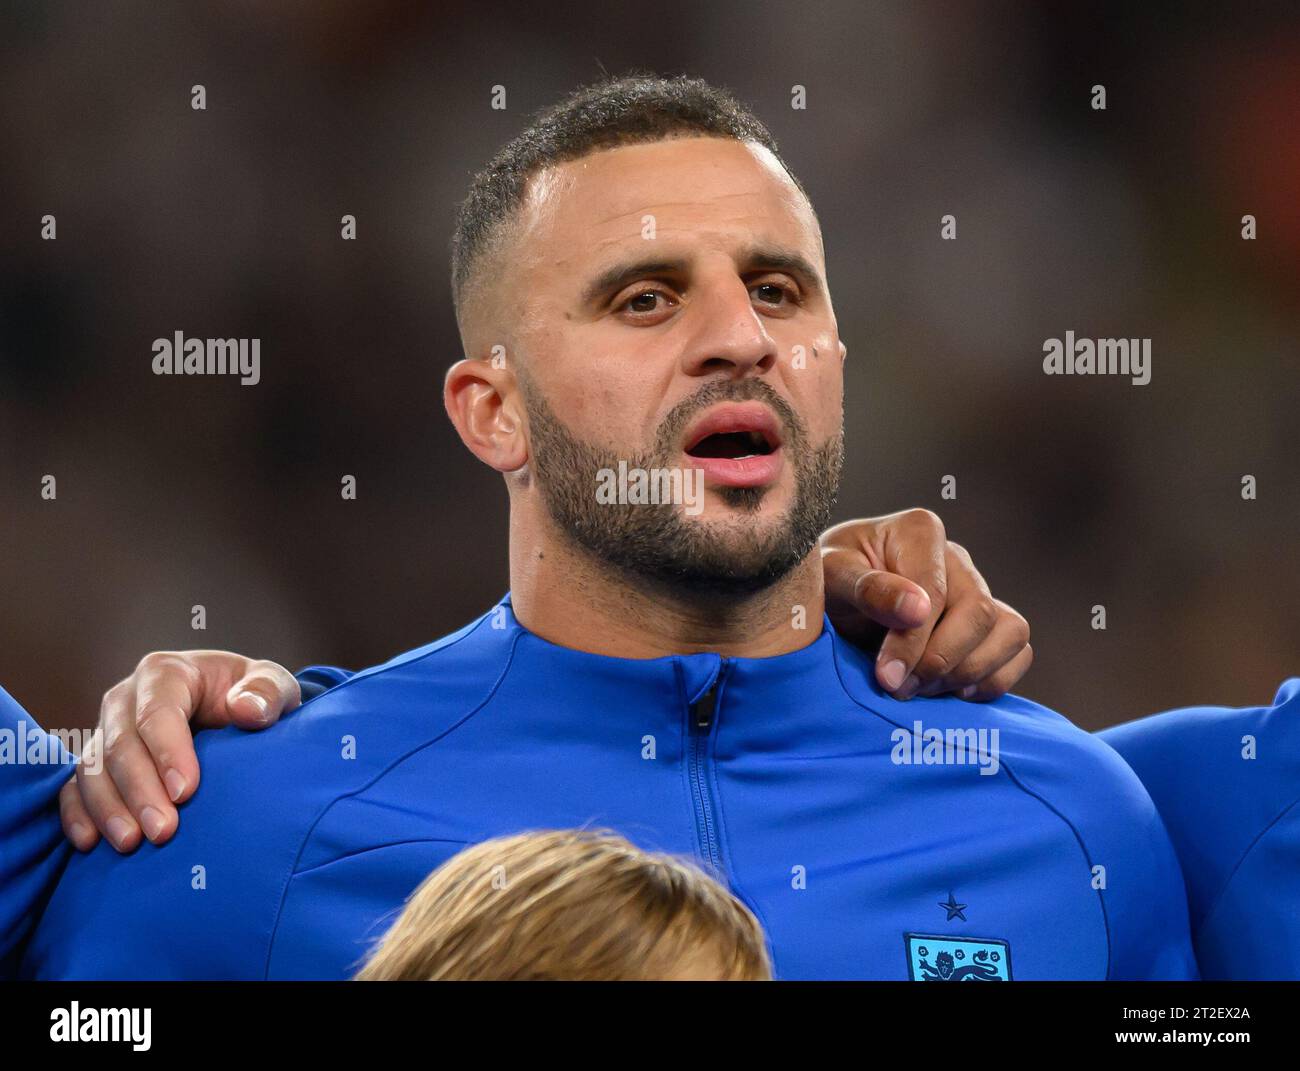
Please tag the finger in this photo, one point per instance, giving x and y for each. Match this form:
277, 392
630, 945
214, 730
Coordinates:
128, 762
965, 626
101, 799
168, 691
899, 656
967, 617
891, 600
77, 824
855, 587
917, 550
1004, 679
902, 651
265, 692
1007, 638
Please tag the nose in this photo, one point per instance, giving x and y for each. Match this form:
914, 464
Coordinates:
728, 334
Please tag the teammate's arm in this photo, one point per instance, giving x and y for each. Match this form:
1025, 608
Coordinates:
895, 583
33, 764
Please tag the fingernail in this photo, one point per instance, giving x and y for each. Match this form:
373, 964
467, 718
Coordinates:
119, 831
967, 692
80, 834
258, 701
152, 820
912, 605
891, 675
175, 784
909, 687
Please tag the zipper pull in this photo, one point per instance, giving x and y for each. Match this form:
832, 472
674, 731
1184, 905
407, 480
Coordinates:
704, 707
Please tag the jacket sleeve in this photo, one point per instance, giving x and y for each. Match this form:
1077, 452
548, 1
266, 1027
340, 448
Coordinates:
1227, 784
34, 766
317, 680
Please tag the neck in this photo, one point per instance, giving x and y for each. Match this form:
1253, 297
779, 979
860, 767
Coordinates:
559, 592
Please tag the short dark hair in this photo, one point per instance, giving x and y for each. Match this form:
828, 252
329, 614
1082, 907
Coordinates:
633, 108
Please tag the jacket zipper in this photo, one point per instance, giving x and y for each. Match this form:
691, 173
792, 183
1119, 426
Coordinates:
703, 713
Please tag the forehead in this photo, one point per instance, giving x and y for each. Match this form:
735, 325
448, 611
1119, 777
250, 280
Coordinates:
700, 192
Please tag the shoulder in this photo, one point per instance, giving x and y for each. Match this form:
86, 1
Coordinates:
259, 797
1223, 736
350, 733
1039, 749
1223, 778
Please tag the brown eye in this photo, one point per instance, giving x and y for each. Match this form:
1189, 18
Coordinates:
770, 293
647, 306
643, 302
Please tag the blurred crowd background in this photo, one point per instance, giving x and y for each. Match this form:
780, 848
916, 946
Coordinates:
1071, 491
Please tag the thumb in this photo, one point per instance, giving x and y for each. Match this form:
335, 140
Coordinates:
885, 598
261, 695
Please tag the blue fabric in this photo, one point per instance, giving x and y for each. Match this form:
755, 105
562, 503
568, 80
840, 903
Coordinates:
1227, 783
33, 767
302, 841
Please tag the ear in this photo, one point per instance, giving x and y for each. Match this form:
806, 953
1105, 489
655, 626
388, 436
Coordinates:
485, 405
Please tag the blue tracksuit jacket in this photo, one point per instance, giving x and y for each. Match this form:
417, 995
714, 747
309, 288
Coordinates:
1011, 845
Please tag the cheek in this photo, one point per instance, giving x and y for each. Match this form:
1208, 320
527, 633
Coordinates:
831, 381
830, 415
819, 396
598, 405
615, 397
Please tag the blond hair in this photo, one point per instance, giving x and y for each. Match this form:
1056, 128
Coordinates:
569, 905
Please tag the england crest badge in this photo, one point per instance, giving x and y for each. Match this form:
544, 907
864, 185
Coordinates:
932, 958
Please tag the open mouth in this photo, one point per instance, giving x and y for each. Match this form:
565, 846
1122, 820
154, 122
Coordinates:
733, 445
736, 444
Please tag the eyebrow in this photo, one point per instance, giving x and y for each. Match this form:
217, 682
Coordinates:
761, 258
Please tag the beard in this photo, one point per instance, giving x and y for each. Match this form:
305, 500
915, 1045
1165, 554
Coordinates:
655, 542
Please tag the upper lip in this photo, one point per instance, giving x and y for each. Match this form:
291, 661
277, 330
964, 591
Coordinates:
735, 417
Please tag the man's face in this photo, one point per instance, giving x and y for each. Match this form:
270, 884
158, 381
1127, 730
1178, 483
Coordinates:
674, 314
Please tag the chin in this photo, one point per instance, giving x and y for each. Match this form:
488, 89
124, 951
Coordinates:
746, 539
763, 504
